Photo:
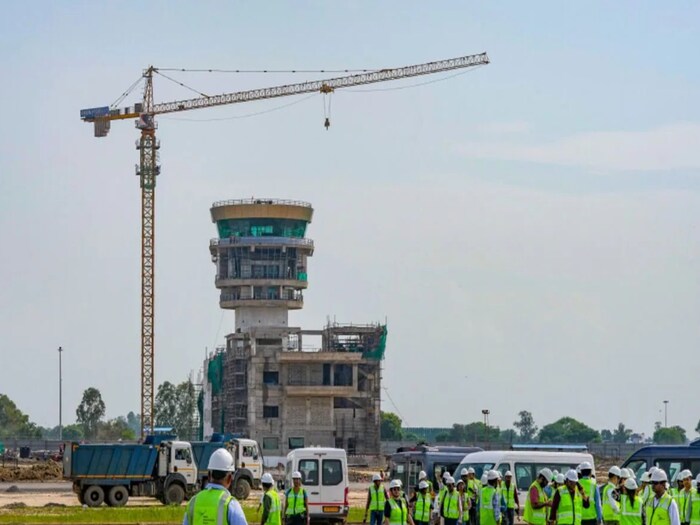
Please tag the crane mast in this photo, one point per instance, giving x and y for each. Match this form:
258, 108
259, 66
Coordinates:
148, 170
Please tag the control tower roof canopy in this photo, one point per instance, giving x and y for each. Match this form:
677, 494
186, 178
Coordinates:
262, 209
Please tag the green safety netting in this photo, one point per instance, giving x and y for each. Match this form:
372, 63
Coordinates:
215, 373
377, 352
200, 409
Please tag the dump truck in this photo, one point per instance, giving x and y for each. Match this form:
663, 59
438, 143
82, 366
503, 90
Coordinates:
166, 469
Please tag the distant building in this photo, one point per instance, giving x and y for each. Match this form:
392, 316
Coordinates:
266, 383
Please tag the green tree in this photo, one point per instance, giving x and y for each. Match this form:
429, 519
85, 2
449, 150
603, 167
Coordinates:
508, 436
90, 411
390, 427
186, 407
697, 427
526, 426
669, 435
606, 436
14, 423
134, 422
621, 434
474, 432
442, 437
70, 433
568, 430
115, 429
165, 405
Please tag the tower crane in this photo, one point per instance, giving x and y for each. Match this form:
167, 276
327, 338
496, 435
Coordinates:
148, 168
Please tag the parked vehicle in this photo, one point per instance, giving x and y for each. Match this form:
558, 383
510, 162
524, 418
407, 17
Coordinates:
161, 467
671, 458
324, 475
407, 462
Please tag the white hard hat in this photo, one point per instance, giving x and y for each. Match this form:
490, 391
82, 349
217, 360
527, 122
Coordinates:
625, 473
659, 475
630, 484
555, 473
376, 477
586, 465
267, 479
395, 484
297, 475
460, 480
484, 479
399, 482
445, 475
464, 472
685, 474
571, 475
560, 479
546, 474
578, 467
698, 479
508, 474
615, 471
422, 485
221, 460
646, 477
491, 475
422, 475
450, 480
652, 469
471, 470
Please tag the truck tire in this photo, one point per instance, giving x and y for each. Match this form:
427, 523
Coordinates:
117, 496
242, 489
174, 494
94, 496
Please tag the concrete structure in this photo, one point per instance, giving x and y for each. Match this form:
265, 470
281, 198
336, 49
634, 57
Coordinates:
266, 383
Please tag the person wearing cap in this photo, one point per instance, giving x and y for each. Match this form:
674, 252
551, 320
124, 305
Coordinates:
631, 504
296, 503
215, 499
510, 499
441, 495
450, 505
661, 509
645, 489
537, 503
463, 501
489, 502
593, 514
610, 496
422, 476
422, 503
395, 509
685, 496
376, 501
271, 508
569, 501
473, 489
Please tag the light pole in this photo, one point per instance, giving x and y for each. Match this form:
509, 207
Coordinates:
60, 396
666, 413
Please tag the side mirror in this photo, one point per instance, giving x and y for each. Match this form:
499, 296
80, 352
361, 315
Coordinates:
255, 457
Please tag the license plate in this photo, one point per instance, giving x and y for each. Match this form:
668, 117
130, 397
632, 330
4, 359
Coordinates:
331, 509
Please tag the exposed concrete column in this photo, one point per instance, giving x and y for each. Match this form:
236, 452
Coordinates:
354, 375
308, 411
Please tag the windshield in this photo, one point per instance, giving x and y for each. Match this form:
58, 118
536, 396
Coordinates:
479, 468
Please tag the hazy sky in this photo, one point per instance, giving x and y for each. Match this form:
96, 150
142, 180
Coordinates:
529, 229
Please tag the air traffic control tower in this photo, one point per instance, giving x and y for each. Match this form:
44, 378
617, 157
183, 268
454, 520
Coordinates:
261, 259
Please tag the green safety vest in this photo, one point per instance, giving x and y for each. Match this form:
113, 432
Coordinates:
377, 497
570, 509
465, 507
535, 516
275, 515
589, 488
509, 495
474, 486
694, 507
487, 515
646, 493
208, 507
450, 504
422, 508
630, 513
295, 502
683, 500
609, 513
658, 515
399, 513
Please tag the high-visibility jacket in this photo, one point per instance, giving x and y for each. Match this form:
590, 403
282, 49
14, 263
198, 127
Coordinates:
377, 497
209, 507
609, 512
656, 510
295, 502
465, 507
473, 489
487, 514
694, 508
535, 516
399, 512
570, 508
589, 488
509, 495
450, 504
275, 515
631, 513
684, 501
421, 510
646, 493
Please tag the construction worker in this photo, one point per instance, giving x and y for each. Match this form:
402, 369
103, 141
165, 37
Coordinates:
645, 489
610, 497
685, 496
510, 499
296, 503
272, 510
440, 496
489, 502
450, 505
631, 504
422, 502
376, 501
661, 509
537, 503
593, 514
204, 507
568, 501
473, 492
695, 504
463, 501
395, 509
422, 476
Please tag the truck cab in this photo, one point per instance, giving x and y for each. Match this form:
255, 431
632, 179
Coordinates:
179, 460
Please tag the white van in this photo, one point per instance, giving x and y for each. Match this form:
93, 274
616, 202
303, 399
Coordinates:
324, 475
523, 464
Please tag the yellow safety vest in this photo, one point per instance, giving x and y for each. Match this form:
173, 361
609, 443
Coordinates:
295, 502
377, 499
657, 510
535, 516
422, 508
209, 507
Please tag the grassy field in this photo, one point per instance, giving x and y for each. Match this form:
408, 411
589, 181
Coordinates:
107, 515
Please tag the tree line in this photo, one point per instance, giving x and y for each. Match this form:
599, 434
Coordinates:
564, 430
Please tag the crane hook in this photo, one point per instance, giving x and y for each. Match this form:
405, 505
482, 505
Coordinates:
327, 123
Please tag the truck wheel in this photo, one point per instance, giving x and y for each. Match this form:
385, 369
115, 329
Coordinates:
242, 490
118, 496
174, 494
94, 496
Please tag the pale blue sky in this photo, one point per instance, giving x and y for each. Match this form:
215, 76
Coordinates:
531, 225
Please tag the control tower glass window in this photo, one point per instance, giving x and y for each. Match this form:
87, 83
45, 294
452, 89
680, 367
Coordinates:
261, 228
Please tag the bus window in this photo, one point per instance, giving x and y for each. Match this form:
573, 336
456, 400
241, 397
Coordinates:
671, 466
639, 467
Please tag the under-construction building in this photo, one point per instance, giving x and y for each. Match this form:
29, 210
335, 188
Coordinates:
268, 382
